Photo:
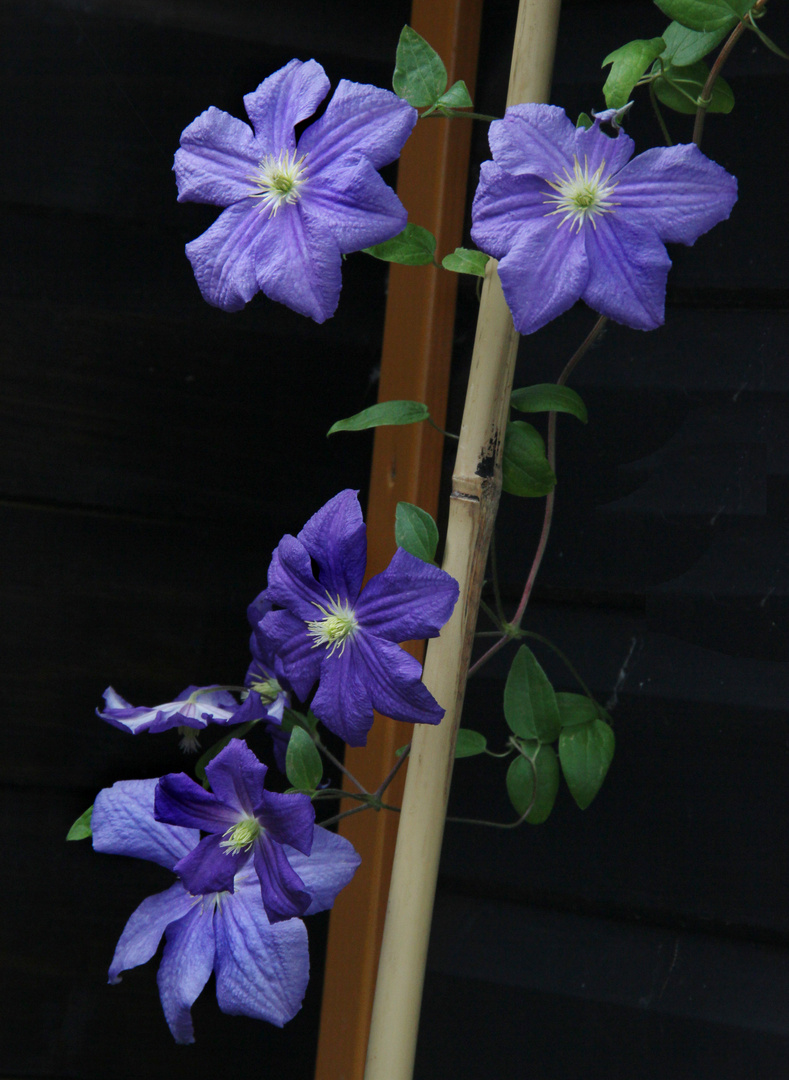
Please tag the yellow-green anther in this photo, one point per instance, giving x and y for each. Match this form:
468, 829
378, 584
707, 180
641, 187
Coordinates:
241, 836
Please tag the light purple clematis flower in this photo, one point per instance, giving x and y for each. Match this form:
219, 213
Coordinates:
262, 968
293, 210
195, 707
245, 823
345, 637
571, 217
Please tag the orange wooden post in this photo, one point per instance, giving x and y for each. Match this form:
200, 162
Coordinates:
415, 363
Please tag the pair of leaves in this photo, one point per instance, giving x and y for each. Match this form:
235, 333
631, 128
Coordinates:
678, 72
416, 246
538, 716
525, 467
421, 78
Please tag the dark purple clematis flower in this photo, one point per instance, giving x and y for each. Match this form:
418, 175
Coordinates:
346, 637
196, 707
293, 210
571, 217
262, 968
245, 823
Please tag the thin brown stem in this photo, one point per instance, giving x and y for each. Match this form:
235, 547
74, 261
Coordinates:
715, 70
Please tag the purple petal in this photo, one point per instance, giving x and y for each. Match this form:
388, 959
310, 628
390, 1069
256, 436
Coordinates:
503, 204
359, 119
288, 819
292, 583
342, 700
298, 263
336, 538
123, 824
408, 601
281, 887
237, 777
262, 969
326, 870
187, 962
298, 655
356, 206
223, 257
283, 100
143, 932
181, 801
628, 270
210, 868
259, 607
544, 273
676, 190
394, 682
536, 139
594, 148
217, 157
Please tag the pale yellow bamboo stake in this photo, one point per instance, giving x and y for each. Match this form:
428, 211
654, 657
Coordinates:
476, 486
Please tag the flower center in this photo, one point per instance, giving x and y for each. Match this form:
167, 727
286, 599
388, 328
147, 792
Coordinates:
339, 624
241, 836
268, 689
580, 197
279, 180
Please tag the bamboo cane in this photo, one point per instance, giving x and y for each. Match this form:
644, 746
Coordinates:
476, 487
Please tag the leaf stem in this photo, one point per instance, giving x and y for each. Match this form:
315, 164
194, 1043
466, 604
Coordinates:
715, 70
570, 366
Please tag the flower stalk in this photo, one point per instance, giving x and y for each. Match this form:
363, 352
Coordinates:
476, 487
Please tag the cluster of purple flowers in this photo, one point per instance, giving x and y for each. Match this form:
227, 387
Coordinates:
251, 862
563, 207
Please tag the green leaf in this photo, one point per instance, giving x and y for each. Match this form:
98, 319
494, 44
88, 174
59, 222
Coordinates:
628, 64
706, 15
684, 46
584, 121
382, 414
530, 707
548, 397
525, 467
81, 829
520, 783
585, 752
414, 246
303, 764
691, 79
469, 743
416, 532
419, 76
456, 97
576, 709
466, 261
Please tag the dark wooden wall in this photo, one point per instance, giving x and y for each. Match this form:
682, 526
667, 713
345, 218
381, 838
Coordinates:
647, 936
155, 449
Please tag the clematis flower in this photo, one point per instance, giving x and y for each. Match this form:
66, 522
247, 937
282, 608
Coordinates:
262, 968
266, 699
344, 637
293, 210
195, 707
245, 823
571, 217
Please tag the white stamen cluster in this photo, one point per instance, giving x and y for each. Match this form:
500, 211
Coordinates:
580, 197
279, 180
338, 624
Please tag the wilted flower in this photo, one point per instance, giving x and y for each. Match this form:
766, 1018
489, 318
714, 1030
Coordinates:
293, 210
262, 968
346, 637
571, 217
195, 707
